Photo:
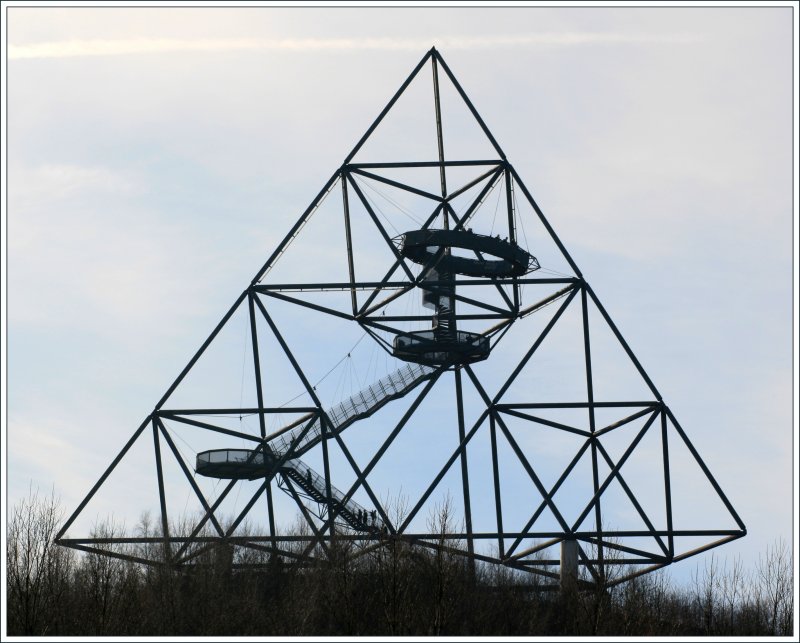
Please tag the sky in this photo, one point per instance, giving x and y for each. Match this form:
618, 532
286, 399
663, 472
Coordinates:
157, 156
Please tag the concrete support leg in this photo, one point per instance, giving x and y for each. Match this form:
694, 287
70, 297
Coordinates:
569, 565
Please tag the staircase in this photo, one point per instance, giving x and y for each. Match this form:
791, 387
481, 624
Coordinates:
359, 406
444, 323
441, 299
313, 485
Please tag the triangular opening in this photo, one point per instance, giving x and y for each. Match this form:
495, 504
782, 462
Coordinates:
318, 251
407, 132
614, 374
223, 376
284, 353
555, 371
464, 139
534, 236
695, 502
127, 498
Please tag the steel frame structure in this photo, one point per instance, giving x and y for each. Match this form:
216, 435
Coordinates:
368, 300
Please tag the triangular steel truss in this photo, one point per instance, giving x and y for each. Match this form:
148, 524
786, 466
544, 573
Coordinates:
496, 306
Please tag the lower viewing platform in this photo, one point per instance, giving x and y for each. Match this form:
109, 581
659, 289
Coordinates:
233, 464
424, 347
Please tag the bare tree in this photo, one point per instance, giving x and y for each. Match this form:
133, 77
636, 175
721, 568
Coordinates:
39, 572
105, 585
773, 589
385, 586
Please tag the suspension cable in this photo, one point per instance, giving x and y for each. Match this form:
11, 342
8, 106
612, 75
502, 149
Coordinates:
333, 368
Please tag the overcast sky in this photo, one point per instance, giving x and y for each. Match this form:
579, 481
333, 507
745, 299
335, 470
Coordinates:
156, 157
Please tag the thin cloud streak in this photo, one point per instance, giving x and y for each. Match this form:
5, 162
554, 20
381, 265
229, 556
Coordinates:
74, 48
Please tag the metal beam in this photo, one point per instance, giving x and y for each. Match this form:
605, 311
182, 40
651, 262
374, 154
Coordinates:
161, 497
464, 465
348, 237
410, 164
498, 507
439, 137
587, 352
394, 184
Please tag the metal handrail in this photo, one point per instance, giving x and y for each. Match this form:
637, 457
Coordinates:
313, 479
397, 383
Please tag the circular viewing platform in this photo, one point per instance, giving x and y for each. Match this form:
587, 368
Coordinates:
424, 347
233, 464
494, 257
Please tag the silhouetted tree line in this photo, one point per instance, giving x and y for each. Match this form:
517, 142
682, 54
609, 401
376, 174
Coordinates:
363, 589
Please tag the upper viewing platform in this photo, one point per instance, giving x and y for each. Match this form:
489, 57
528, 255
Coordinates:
494, 257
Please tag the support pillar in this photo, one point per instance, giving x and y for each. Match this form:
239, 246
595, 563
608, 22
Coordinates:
569, 565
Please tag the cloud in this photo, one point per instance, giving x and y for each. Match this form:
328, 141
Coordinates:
99, 47
57, 181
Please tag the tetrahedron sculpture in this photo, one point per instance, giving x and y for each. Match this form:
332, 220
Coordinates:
419, 343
